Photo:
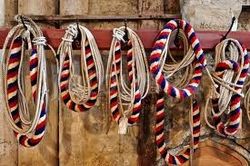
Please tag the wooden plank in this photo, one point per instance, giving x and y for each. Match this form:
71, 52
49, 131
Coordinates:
146, 7
69, 17
11, 9
46, 152
147, 153
217, 154
8, 142
171, 6
38, 7
112, 7
79, 7
208, 39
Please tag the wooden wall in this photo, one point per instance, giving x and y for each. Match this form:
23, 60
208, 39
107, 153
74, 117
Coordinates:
82, 139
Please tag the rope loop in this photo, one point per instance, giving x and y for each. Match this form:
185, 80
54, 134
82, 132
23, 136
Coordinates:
125, 94
79, 92
119, 34
41, 40
159, 51
28, 132
231, 68
193, 62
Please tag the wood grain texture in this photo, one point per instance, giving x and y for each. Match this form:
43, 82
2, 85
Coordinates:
46, 152
37, 7
8, 142
11, 9
103, 37
73, 7
82, 138
148, 7
216, 154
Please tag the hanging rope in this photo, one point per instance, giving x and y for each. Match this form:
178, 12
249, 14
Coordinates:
28, 132
80, 94
194, 60
247, 99
160, 137
230, 73
126, 99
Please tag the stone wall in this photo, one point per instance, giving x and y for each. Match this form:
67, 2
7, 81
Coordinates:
82, 139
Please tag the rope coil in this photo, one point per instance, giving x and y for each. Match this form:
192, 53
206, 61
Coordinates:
126, 99
28, 132
230, 73
195, 61
247, 99
79, 96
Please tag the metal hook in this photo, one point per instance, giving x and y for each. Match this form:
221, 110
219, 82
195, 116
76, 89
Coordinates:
79, 31
126, 31
78, 37
230, 28
22, 20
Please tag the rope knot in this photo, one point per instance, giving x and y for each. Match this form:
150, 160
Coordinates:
41, 40
72, 30
119, 34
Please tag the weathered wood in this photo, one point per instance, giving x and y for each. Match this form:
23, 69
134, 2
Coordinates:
112, 7
171, 6
8, 143
149, 7
46, 152
11, 8
103, 38
217, 154
37, 7
70, 18
83, 139
79, 7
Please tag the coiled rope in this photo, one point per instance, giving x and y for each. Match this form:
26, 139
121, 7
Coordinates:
126, 99
80, 94
230, 73
196, 58
247, 98
28, 132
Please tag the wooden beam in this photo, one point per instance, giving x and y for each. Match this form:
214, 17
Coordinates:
70, 18
208, 39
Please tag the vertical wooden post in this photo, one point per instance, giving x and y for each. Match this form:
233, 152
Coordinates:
146, 139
